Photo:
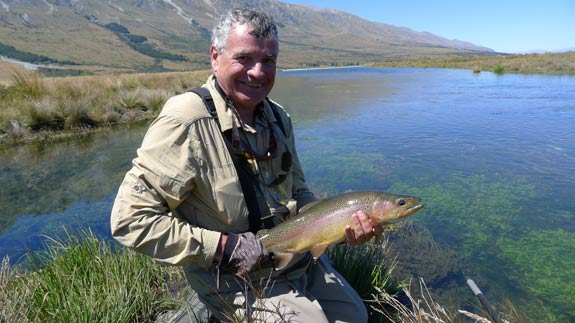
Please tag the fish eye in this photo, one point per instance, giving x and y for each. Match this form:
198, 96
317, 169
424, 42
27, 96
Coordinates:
401, 202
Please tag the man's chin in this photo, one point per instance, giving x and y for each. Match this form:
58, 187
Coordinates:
250, 99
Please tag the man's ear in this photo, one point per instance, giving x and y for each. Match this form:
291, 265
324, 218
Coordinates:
214, 58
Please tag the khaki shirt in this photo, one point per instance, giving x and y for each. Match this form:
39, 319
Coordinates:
183, 191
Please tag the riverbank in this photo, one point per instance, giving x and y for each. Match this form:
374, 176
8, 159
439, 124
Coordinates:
81, 278
35, 108
547, 64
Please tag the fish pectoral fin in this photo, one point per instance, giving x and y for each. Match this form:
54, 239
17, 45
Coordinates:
307, 206
261, 233
318, 250
282, 259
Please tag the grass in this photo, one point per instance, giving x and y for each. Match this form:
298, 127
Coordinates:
549, 63
423, 308
368, 269
34, 107
81, 278
420, 309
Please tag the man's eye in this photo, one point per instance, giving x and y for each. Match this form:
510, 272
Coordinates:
242, 59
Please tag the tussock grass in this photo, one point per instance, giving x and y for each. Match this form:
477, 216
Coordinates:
32, 104
14, 295
365, 267
28, 83
82, 279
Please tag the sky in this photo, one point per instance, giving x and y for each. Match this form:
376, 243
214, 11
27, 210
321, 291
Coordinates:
507, 26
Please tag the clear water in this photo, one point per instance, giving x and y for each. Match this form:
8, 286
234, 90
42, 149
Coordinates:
493, 158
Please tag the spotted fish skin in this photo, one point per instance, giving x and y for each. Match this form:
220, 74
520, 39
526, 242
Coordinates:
323, 223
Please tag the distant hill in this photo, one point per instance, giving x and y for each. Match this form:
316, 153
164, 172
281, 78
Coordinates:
154, 35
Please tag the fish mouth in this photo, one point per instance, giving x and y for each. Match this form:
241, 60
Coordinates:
413, 209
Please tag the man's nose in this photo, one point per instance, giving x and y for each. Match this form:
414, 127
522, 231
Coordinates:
257, 70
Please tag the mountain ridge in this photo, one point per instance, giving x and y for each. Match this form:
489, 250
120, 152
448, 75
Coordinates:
140, 35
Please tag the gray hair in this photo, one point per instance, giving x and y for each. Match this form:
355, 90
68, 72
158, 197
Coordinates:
262, 24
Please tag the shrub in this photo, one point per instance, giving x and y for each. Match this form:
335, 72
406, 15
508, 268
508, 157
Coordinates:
499, 69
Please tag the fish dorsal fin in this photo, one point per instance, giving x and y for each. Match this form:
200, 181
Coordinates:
318, 250
282, 259
307, 206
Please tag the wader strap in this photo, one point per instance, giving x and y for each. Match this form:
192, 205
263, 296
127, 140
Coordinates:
253, 196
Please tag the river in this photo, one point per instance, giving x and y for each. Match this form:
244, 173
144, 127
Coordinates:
492, 157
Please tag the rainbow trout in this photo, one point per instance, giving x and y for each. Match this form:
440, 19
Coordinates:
323, 223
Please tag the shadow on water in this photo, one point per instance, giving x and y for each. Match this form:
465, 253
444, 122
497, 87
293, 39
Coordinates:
314, 96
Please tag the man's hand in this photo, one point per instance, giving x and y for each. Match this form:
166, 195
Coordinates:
361, 230
242, 253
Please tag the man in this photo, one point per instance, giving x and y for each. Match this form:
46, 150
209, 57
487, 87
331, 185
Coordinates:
184, 202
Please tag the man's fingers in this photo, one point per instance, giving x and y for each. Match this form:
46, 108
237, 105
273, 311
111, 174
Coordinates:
360, 230
350, 236
364, 224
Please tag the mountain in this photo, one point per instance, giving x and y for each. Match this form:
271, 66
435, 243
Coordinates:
139, 35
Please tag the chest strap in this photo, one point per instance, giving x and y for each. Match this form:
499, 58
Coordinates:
253, 195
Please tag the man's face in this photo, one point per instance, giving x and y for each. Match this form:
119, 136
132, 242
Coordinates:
246, 67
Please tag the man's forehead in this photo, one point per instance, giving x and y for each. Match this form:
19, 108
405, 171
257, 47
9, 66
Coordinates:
241, 44
268, 52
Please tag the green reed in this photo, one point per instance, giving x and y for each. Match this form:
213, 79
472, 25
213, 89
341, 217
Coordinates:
83, 280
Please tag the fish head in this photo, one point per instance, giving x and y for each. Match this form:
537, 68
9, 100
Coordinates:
391, 208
